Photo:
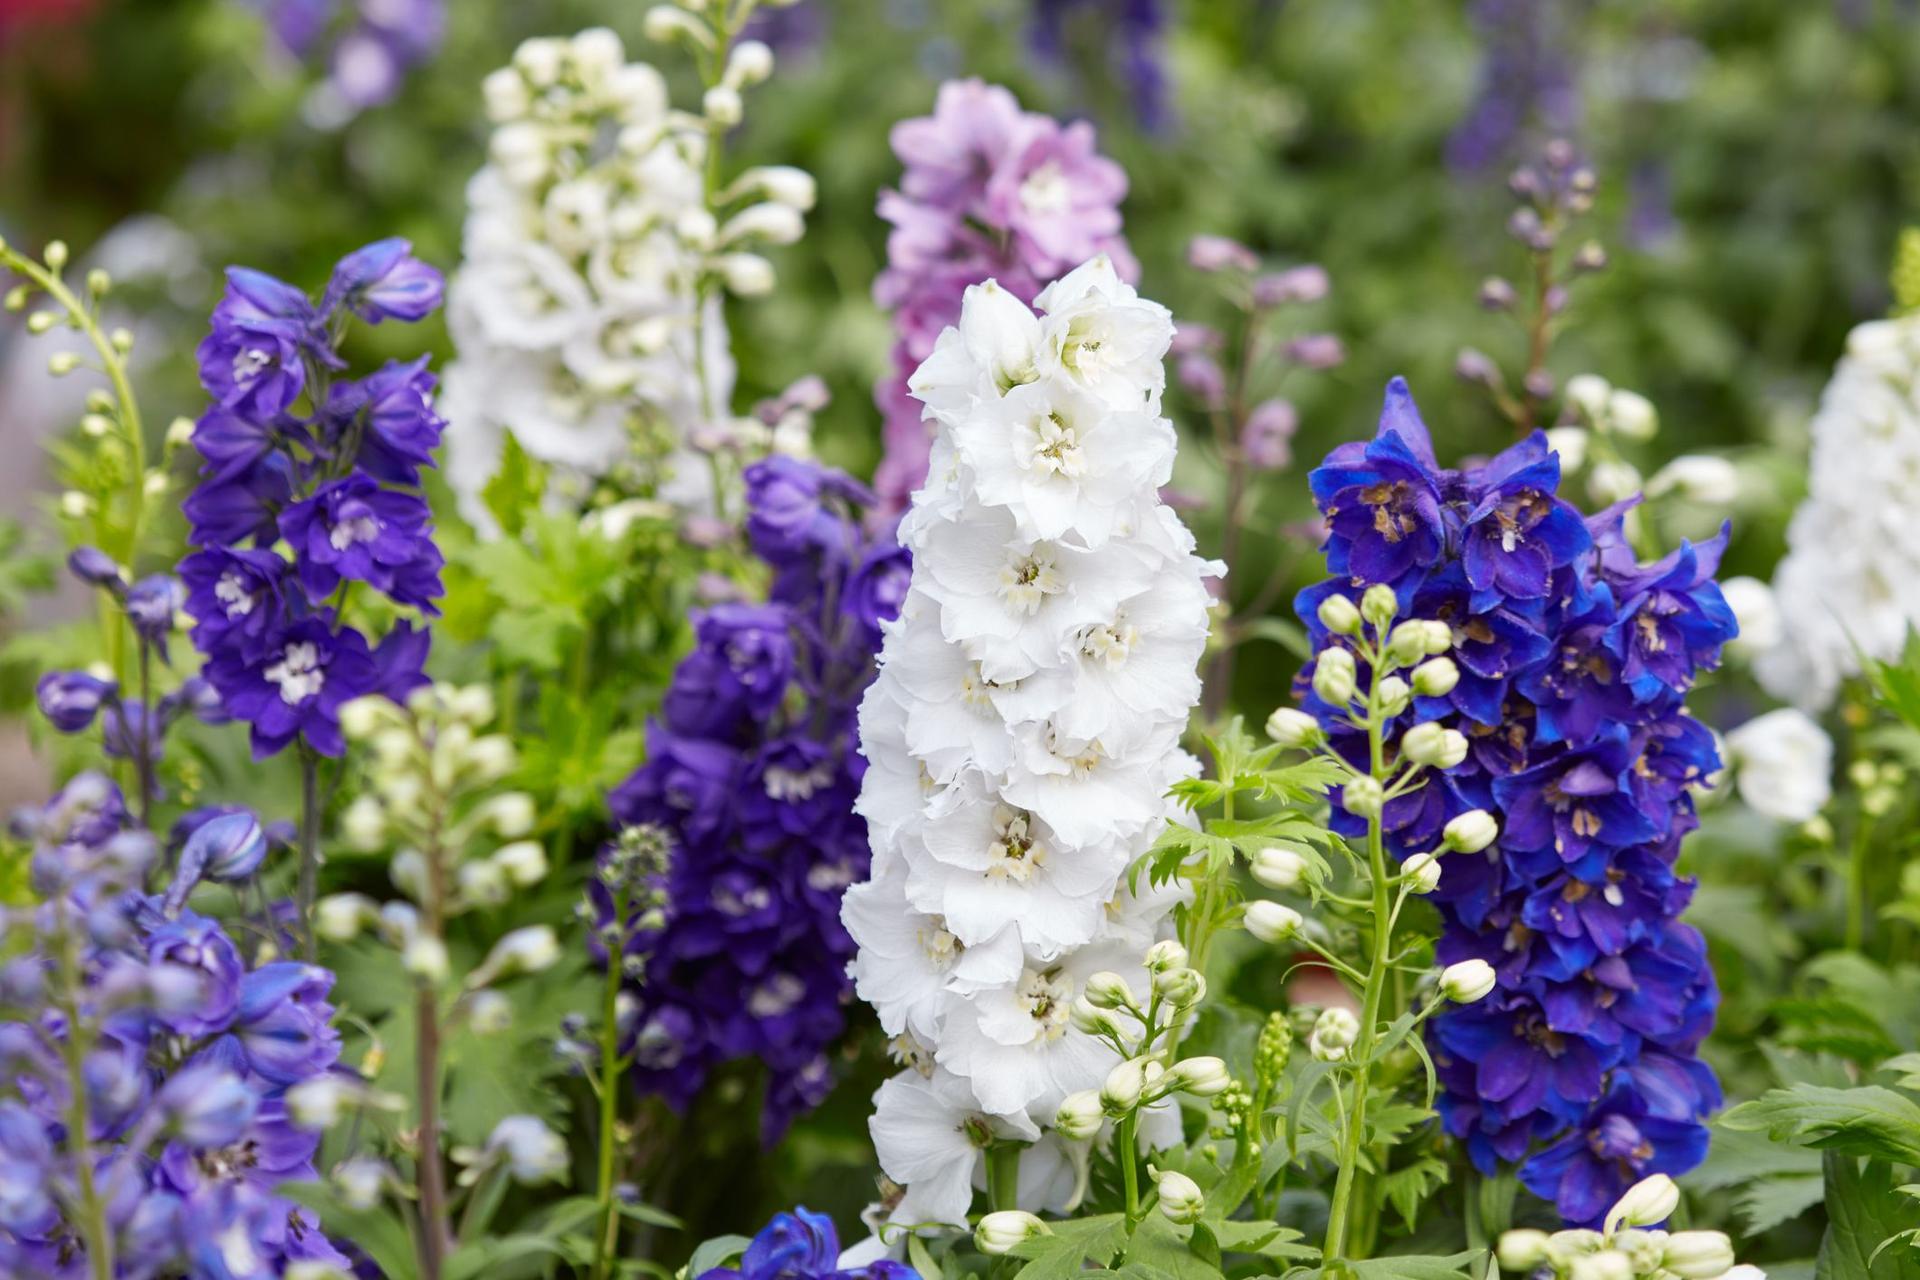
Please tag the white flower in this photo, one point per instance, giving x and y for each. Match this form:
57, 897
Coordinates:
532, 1152
931, 1135
1783, 763
1697, 477
1757, 612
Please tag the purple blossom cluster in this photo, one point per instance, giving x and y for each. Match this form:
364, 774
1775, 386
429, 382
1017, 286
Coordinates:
1131, 35
803, 1245
369, 45
147, 1064
1574, 662
331, 467
1528, 81
751, 776
989, 191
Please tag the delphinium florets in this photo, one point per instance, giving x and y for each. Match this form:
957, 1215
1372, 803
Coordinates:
989, 191
1570, 663
750, 781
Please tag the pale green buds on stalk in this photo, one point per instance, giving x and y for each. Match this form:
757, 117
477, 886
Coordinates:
1393, 694
750, 63
425, 957
1363, 797
1273, 1048
1333, 1034
1698, 1255
1292, 727
1633, 415
1183, 988
1334, 677
340, 917
1471, 832
1090, 1018
1165, 955
1108, 990
1467, 981
1180, 1198
1607, 1264
1434, 746
1125, 1084
56, 254
1002, 1229
526, 950
1521, 1250
1271, 921
1203, 1077
1422, 871
1080, 1115
1340, 616
1564, 1246
1408, 643
1645, 1203
62, 363
1279, 869
1435, 678
1378, 606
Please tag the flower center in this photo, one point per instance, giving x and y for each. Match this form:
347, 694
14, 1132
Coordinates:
231, 591
1056, 449
249, 363
776, 996
1029, 580
1014, 854
1048, 999
353, 531
796, 784
1111, 642
942, 948
298, 673
1046, 190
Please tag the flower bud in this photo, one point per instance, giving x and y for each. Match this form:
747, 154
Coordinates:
1587, 393
1333, 677
745, 275
531, 1151
62, 363
1422, 871
1002, 1229
1291, 727
425, 957
1108, 990
1271, 921
750, 63
1090, 1018
56, 254
1646, 1202
489, 1013
1607, 1264
1408, 643
1470, 832
523, 863
360, 1182
1202, 1077
1180, 1197
1432, 745
339, 917
1379, 605
1564, 1246
1698, 1255
1164, 955
1363, 797
1340, 615
666, 22
408, 871
1393, 694
525, 950
506, 96
319, 1103
1079, 1115
1184, 988
481, 884
1435, 678
364, 824
1120, 1093
1334, 1032
1521, 1250
1467, 981
1632, 415
1279, 869
491, 758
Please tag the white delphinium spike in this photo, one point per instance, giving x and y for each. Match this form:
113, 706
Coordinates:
1023, 732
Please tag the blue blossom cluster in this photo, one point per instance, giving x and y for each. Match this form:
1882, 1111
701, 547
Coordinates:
1574, 661
146, 1064
1135, 33
369, 45
803, 1245
751, 776
295, 454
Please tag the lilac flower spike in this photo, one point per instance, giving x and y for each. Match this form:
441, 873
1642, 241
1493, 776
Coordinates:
1574, 661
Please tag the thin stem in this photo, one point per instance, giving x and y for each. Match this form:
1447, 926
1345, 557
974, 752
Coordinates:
93, 1215
1124, 1150
1003, 1175
611, 1068
143, 749
309, 885
431, 1174
1856, 886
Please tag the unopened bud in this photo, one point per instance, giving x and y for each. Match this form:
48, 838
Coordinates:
1521, 1250
1363, 797
1280, 869
1606, 1264
1645, 1203
1467, 981
1422, 871
1180, 1198
1434, 746
1002, 1229
1339, 615
1393, 694
1164, 955
1271, 921
1379, 605
1079, 1116
1334, 677
1120, 1092
1698, 1255
1292, 727
1108, 990
1470, 832
1202, 1077
1435, 678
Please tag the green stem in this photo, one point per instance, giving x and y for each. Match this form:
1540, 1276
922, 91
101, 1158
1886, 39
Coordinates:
93, 1215
1856, 886
1125, 1151
611, 1068
309, 885
1003, 1175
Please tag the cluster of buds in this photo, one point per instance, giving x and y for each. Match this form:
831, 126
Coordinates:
1626, 1246
1146, 1039
625, 904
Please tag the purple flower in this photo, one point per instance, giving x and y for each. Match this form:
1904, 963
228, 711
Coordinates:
153, 603
96, 568
384, 281
878, 586
392, 409
264, 331
1589, 1169
353, 528
295, 685
1382, 499
740, 667
240, 501
71, 699
195, 975
284, 1023
235, 596
1266, 441
802, 1245
1519, 532
787, 512
208, 1106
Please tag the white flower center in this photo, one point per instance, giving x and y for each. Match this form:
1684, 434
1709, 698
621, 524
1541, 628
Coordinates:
729, 903
1048, 1000
298, 673
775, 996
357, 529
1112, 642
248, 364
1056, 447
796, 784
1027, 581
942, 948
1046, 190
1014, 854
231, 591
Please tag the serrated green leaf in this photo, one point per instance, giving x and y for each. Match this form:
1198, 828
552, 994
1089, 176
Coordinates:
517, 487
1161, 1247
1065, 1248
1408, 1267
1765, 1203
1863, 1212
1408, 1188
1868, 1121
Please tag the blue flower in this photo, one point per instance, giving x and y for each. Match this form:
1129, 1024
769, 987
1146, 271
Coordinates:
1518, 532
353, 528
1382, 501
254, 362
71, 699
384, 281
802, 1245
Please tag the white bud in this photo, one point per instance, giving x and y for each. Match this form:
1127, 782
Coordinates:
1292, 727
489, 1013
750, 63
1334, 1032
1002, 1229
1422, 871
782, 184
1180, 1198
1697, 477
745, 275
666, 22
156, 483
1280, 869
1164, 955
1393, 694
1333, 677
1120, 1093
1202, 1077
1363, 797
1698, 1255
75, 505
1645, 1203
1108, 990
95, 425
1470, 832
408, 871
1439, 636
1564, 1246
1435, 678
523, 863
1588, 393
1408, 643
510, 814
56, 254
425, 957
1339, 615
1091, 1018
491, 758
522, 150
364, 824
597, 55
471, 703
540, 59
1607, 1264
1378, 605
320, 1103
1632, 415
1433, 745
533, 1153
525, 950
1079, 1115
769, 222
506, 95
721, 104
1467, 981
482, 884
360, 1181
339, 917
1521, 1250
1271, 921
697, 227
1611, 481
180, 432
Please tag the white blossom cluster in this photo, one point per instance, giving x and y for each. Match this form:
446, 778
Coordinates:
1023, 731
1850, 581
586, 310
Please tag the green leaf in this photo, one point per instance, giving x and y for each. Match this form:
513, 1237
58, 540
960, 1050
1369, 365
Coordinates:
1268, 1239
1868, 1121
1406, 1189
1765, 1203
1159, 1246
1064, 1250
500, 1257
377, 1231
1864, 1210
717, 1252
516, 487
1408, 1267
